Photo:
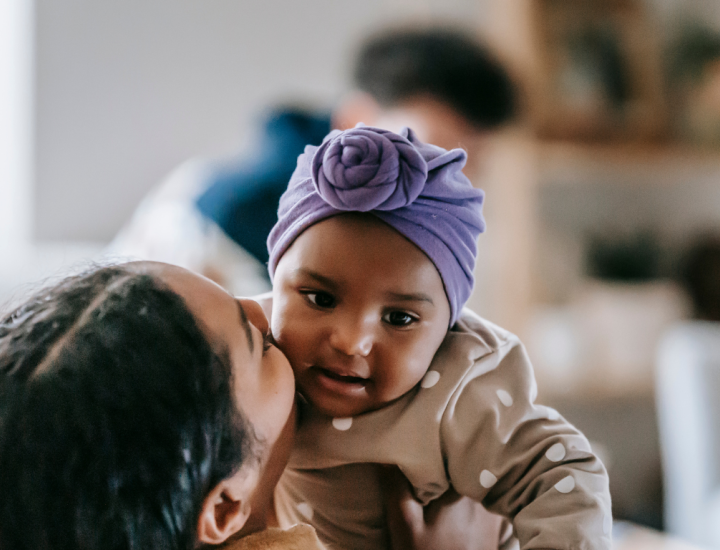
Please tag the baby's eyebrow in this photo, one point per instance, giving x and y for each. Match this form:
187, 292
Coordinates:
246, 325
412, 297
302, 271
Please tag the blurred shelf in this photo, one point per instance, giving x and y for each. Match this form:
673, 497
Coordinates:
593, 394
632, 163
634, 537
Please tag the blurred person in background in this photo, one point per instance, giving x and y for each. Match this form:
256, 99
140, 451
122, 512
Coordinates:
687, 381
700, 276
214, 217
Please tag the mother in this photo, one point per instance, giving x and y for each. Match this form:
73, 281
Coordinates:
143, 407
140, 407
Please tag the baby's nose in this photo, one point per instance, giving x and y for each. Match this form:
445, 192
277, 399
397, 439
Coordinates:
255, 314
352, 339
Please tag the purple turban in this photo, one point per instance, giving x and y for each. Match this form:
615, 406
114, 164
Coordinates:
416, 188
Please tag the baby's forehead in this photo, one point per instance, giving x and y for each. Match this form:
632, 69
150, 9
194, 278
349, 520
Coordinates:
358, 238
360, 254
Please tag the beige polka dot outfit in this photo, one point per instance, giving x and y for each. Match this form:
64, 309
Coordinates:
472, 423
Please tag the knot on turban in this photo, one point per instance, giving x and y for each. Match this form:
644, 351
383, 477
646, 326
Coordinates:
416, 188
366, 169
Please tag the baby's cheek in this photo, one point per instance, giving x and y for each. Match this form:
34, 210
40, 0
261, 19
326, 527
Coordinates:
281, 326
294, 344
292, 351
403, 374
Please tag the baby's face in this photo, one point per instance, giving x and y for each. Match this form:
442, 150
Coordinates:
359, 311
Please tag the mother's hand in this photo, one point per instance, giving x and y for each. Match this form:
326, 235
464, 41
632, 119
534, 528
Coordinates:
451, 522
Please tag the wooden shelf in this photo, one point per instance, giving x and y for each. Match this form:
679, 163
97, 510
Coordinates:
634, 537
574, 163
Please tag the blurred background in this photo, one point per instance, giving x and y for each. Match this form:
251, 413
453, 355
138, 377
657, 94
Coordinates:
602, 196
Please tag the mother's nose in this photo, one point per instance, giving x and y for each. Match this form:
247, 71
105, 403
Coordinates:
255, 314
352, 337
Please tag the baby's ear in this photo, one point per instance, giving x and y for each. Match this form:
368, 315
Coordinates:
226, 508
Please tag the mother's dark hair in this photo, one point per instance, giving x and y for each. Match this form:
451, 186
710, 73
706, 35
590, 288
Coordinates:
116, 417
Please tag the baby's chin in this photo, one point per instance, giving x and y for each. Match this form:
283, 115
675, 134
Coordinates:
339, 408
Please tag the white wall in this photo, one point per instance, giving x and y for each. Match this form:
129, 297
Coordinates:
127, 89
15, 124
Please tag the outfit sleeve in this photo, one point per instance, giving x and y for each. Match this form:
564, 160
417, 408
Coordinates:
523, 460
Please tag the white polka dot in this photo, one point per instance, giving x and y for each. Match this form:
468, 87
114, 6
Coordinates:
430, 379
487, 479
555, 453
607, 525
305, 510
505, 398
342, 424
566, 484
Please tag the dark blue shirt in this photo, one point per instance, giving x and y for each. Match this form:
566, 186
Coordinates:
242, 197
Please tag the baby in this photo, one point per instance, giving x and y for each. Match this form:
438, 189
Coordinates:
372, 260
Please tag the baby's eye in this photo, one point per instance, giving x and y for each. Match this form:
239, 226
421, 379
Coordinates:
399, 318
321, 299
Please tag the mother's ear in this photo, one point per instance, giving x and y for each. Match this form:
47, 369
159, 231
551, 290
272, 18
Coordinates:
227, 507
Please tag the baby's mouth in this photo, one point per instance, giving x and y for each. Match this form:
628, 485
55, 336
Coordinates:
345, 378
345, 384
